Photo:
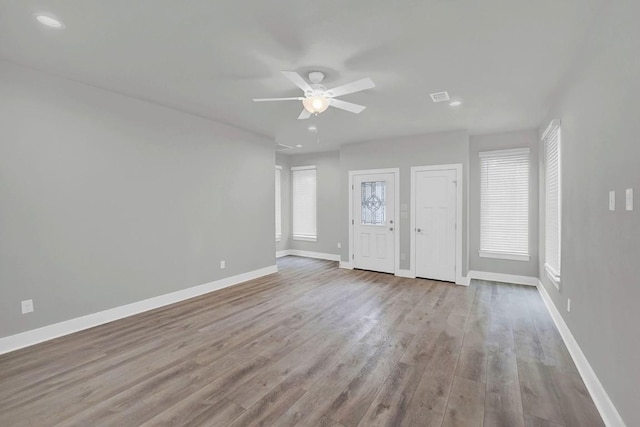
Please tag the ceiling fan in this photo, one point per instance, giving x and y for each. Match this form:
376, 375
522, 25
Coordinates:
318, 98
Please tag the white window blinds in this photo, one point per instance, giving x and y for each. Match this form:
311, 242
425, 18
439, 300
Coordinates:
278, 203
304, 203
504, 204
552, 215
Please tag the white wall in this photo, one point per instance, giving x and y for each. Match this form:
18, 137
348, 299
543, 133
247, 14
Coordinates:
107, 200
599, 109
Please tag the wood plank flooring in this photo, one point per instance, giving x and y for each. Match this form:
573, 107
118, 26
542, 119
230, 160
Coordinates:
312, 345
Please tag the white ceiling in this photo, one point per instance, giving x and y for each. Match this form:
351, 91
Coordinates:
504, 58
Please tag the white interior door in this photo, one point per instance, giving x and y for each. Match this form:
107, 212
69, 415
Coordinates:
374, 224
435, 220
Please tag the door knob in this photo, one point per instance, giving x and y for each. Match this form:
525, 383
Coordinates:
419, 230
390, 228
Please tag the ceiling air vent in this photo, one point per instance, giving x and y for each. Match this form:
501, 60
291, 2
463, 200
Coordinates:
282, 147
440, 96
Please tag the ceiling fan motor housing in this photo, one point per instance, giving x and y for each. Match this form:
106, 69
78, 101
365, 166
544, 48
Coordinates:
316, 77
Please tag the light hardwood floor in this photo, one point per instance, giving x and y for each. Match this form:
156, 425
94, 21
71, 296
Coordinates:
310, 345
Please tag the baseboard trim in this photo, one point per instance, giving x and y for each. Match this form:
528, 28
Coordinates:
285, 252
346, 265
405, 273
500, 277
607, 409
49, 332
463, 281
316, 255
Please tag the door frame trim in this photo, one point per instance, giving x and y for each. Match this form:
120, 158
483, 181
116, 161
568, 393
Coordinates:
459, 185
396, 213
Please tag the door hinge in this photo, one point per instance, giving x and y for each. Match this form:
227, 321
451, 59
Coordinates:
352, 223
352, 187
353, 256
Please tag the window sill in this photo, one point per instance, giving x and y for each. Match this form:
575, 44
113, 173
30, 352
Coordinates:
553, 276
502, 255
306, 238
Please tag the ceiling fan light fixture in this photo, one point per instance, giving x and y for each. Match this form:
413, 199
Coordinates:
315, 104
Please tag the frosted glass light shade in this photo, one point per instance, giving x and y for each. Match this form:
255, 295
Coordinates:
315, 104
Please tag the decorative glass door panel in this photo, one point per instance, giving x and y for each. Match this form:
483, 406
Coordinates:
373, 203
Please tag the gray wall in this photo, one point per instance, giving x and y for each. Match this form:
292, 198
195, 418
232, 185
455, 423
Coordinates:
403, 153
106, 200
601, 249
285, 198
327, 200
503, 141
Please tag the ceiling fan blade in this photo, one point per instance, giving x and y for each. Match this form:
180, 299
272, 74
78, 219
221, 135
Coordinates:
297, 80
352, 87
348, 106
304, 115
299, 98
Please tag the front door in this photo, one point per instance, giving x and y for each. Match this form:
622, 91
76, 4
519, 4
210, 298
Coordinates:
374, 225
435, 196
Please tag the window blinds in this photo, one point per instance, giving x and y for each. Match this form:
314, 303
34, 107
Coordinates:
278, 203
304, 203
504, 204
552, 216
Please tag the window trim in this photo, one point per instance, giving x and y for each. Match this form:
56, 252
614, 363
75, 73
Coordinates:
504, 255
301, 236
305, 237
303, 168
279, 235
511, 256
551, 273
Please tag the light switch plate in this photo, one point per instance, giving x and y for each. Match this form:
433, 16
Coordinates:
612, 200
629, 199
27, 306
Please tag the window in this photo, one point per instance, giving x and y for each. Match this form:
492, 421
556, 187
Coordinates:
552, 197
278, 203
504, 204
304, 203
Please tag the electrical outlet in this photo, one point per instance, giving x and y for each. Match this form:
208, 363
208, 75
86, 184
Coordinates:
569, 304
27, 306
339, 245
222, 264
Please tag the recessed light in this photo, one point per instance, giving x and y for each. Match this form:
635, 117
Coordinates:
455, 103
299, 146
312, 128
49, 21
